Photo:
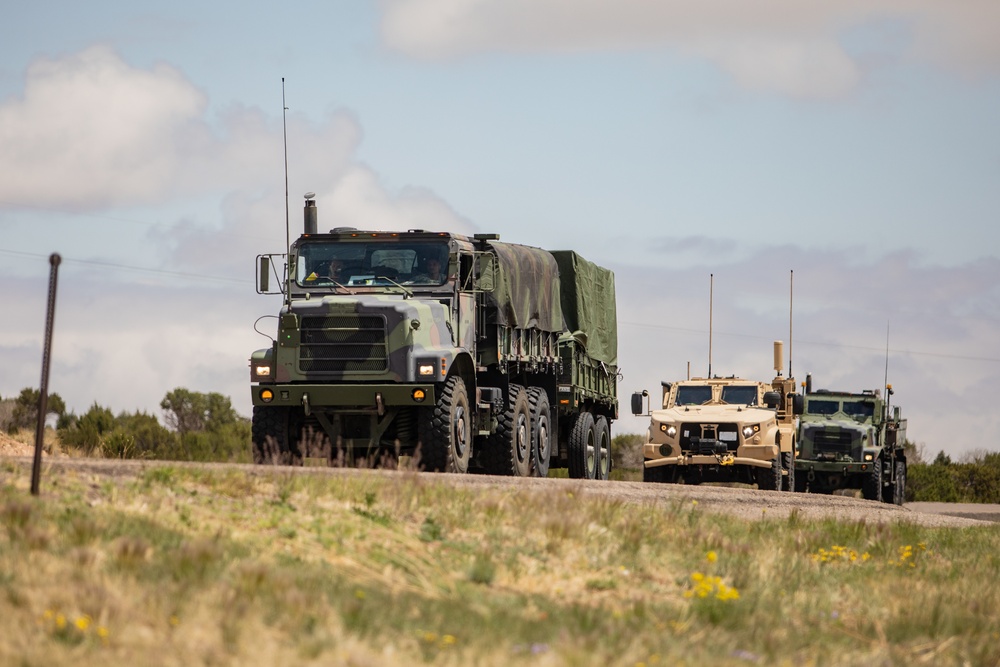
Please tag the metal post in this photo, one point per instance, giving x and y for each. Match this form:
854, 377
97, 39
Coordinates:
43, 398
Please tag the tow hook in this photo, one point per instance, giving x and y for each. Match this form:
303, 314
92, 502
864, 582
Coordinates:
727, 460
305, 405
379, 405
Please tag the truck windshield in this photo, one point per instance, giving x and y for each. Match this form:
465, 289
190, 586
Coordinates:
740, 395
693, 394
859, 408
371, 263
823, 407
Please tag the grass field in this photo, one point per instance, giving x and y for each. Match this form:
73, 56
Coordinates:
182, 566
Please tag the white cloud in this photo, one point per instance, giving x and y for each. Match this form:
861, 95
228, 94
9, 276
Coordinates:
785, 46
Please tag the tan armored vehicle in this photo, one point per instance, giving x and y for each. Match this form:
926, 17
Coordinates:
723, 430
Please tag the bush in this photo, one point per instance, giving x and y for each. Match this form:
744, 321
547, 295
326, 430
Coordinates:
946, 482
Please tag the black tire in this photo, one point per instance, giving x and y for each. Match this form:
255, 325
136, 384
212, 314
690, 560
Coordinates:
602, 442
508, 449
541, 431
871, 487
660, 474
445, 430
899, 488
800, 483
769, 479
788, 465
582, 447
274, 434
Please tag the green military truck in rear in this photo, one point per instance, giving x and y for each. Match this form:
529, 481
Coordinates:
851, 441
462, 352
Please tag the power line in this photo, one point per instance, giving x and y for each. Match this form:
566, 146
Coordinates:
142, 269
880, 350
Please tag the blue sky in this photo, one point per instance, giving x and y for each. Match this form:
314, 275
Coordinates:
856, 144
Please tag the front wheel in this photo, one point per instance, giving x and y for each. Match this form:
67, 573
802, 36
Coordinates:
871, 487
899, 488
770, 479
274, 433
446, 430
788, 464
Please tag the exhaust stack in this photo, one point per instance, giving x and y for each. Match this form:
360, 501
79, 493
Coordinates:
309, 214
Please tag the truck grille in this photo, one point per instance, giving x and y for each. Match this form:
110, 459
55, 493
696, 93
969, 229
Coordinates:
343, 344
833, 440
724, 433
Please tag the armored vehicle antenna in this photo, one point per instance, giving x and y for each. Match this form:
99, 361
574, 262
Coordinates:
791, 288
711, 288
284, 140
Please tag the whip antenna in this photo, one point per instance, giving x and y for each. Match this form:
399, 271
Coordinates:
711, 289
791, 288
284, 141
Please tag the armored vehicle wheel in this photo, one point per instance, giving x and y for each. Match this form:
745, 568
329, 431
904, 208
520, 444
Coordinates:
770, 479
446, 430
660, 474
788, 464
899, 489
274, 432
582, 447
541, 433
602, 439
508, 450
871, 487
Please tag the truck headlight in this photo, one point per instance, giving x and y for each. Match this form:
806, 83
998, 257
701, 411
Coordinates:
425, 369
869, 456
669, 429
748, 431
262, 371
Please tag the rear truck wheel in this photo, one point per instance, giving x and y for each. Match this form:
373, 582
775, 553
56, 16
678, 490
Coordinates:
899, 488
770, 479
274, 434
582, 447
871, 487
788, 465
602, 439
508, 449
541, 432
445, 430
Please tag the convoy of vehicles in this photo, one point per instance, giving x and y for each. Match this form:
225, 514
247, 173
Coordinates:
723, 430
464, 353
851, 441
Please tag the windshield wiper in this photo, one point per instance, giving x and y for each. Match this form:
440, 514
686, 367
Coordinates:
407, 292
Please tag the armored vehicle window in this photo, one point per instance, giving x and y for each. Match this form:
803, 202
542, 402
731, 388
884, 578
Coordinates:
859, 408
370, 263
823, 407
737, 395
693, 394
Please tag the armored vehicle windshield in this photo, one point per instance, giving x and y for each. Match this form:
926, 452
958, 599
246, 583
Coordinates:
693, 394
371, 263
740, 395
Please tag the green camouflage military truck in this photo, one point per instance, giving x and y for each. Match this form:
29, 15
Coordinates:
851, 441
460, 352
723, 430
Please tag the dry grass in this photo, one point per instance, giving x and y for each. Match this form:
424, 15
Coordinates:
184, 566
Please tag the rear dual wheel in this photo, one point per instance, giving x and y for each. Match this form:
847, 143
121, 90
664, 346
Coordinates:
508, 449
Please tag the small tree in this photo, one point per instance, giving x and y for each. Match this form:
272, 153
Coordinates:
25, 412
189, 411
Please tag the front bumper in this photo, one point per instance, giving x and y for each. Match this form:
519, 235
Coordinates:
319, 396
840, 467
755, 456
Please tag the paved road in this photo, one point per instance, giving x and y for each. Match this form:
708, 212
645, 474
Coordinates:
976, 511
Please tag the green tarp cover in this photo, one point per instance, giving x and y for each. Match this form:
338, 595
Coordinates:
527, 288
588, 304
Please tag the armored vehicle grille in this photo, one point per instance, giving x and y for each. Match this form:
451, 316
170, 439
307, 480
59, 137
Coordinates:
343, 344
725, 433
833, 440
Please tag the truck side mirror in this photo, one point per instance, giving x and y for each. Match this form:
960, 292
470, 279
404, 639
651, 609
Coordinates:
264, 275
772, 399
798, 404
486, 270
637, 403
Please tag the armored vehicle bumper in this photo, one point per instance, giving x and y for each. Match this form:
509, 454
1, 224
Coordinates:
839, 467
757, 456
374, 396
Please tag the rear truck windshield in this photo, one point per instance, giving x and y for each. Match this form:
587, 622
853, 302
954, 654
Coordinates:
369, 263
